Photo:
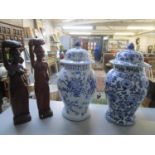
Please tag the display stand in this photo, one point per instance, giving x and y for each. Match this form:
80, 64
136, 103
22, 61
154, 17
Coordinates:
95, 125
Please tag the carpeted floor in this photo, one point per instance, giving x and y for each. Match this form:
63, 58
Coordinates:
100, 76
99, 96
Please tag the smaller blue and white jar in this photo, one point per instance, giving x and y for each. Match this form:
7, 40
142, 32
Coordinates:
125, 86
76, 83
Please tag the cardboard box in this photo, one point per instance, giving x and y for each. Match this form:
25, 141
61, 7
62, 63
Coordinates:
54, 96
31, 87
146, 102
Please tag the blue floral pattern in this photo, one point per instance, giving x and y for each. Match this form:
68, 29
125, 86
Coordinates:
125, 91
126, 86
76, 88
77, 55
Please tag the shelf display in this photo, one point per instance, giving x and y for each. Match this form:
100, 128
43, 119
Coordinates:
150, 59
10, 32
52, 58
28, 32
116, 45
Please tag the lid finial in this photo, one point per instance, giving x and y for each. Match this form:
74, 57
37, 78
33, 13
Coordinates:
77, 44
131, 46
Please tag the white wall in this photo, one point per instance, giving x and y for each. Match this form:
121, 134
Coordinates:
145, 41
28, 23
48, 31
66, 41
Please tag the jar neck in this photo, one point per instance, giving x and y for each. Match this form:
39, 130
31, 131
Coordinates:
128, 69
77, 67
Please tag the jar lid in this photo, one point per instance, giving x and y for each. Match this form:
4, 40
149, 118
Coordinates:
129, 57
75, 56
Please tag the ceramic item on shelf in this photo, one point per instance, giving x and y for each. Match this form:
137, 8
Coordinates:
3, 71
125, 86
76, 84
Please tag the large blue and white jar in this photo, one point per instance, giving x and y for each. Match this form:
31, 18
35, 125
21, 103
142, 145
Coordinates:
125, 86
76, 83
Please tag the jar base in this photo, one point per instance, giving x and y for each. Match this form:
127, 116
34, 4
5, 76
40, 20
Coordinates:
121, 122
75, 118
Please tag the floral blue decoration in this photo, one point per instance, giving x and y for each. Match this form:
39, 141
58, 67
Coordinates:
126, 87
76, 84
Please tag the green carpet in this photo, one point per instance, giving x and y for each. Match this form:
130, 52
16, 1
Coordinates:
99, 98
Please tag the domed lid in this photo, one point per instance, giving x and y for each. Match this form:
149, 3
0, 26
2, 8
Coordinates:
129, 57
76, 55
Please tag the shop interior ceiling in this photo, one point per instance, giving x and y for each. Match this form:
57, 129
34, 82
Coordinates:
128, 27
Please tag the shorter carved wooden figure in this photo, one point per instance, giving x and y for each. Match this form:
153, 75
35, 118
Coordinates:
41, 78
18, 82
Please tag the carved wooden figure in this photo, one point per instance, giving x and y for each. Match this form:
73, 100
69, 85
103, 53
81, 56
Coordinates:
41, 78
18, 82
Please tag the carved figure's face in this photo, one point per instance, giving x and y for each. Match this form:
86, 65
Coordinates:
15, 56
40, 53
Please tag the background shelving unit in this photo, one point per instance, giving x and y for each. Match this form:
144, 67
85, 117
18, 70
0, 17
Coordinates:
12, 32
117, 45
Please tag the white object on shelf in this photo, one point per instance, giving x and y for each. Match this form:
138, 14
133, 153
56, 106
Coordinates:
148, 71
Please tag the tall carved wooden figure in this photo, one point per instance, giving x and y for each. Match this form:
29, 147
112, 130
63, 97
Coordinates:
18, 82
41, 78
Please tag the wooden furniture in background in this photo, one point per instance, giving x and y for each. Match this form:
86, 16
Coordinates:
10, 32
52, 58
106, 58
150, 59
115, 44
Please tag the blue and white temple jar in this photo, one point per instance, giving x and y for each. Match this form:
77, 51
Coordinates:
125, 86
76, 83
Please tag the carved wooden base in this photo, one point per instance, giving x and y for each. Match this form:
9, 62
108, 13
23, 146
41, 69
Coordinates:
45, 114
0, 108
21, 119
